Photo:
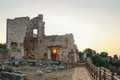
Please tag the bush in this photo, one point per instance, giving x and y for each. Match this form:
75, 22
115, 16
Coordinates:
97, 60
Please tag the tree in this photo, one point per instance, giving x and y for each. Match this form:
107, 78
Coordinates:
80, 54
104, 54
115, 57
96, 59
88, 51
3, 45
99, 61
115, 61
104, 62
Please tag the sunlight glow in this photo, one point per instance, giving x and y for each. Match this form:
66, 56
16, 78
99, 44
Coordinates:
54, 50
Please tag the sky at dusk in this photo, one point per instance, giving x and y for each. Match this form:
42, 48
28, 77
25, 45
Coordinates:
95, 24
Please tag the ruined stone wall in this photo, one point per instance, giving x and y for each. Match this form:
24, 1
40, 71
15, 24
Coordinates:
37, 23
67, 44
3, 54
36, 44
21, 41
16, 32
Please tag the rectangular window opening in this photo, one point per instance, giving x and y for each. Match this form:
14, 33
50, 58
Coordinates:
35, 33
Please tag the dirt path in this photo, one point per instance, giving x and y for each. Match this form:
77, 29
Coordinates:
81, 74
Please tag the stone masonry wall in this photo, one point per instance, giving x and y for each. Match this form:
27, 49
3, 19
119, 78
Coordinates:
20, 40
16, 32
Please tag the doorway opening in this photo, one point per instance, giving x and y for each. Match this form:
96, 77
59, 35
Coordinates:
54, 53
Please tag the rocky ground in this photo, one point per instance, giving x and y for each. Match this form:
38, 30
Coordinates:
38, 73
48, 71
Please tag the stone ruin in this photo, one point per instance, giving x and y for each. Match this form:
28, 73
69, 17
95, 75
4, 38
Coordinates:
3, 54
26, 39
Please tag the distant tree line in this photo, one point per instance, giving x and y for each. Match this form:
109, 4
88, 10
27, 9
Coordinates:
102, 60
2, 45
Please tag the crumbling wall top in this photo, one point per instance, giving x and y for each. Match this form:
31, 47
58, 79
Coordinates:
18, 18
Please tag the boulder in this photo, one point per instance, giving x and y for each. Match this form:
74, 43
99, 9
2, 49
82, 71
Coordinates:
39, 73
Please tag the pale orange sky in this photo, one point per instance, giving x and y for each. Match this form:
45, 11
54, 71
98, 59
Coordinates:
95, 24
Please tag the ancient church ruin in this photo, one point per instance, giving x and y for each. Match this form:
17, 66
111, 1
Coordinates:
26, 39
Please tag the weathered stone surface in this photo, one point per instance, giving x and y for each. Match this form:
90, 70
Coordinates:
39, 73
49, 71
22, 41
3, 54
16, 31
11, 76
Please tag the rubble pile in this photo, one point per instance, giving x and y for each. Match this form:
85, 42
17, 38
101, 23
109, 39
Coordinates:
7, 68
11, 76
